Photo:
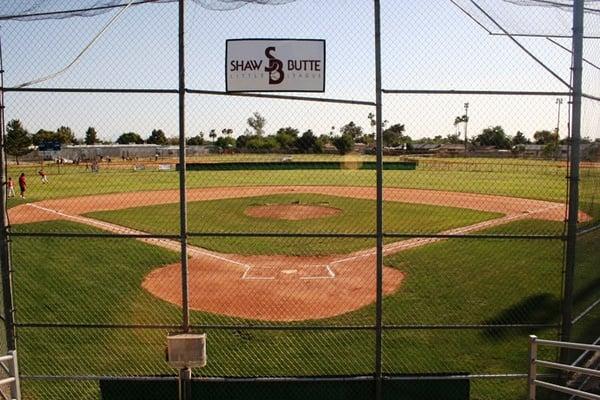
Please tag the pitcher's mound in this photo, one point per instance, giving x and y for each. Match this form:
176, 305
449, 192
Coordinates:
292, 212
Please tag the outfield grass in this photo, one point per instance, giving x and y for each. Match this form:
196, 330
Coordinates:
357, 217
455, 281
533, 179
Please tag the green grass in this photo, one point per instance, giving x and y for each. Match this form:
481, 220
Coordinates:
454, 281
519, 178
357, 217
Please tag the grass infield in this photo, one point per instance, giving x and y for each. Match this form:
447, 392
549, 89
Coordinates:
357, 217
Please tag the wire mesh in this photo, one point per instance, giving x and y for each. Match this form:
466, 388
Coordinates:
280, 264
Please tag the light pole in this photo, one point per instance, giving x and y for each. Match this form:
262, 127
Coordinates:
466, 119
559, 101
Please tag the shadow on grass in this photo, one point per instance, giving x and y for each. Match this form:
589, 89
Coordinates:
543, 308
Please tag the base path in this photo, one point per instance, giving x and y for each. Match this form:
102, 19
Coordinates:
280, 288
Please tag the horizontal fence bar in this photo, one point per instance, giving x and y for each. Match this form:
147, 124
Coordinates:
281, 97
586, 311
95, 326
475, 376
95, 378
566, 367
468, 326
6, 381
283, 327
476, 92
282, 234
288, 235
6, 358
570, 345
190, 91
94, 235
475, 236
551, 386
90, 90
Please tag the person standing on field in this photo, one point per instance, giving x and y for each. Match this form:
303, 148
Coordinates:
43, 176
11, 187
22, 184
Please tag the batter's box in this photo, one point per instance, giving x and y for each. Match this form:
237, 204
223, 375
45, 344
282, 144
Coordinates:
288, 272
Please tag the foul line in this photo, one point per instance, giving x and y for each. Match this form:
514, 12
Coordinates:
165, 243
393, 248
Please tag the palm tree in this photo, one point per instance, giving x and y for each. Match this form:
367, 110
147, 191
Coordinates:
213, 135
227, 132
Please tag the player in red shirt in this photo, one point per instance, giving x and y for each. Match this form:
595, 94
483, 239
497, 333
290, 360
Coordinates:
22, 185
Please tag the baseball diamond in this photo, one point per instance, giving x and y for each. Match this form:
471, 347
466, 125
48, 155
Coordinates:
281, 288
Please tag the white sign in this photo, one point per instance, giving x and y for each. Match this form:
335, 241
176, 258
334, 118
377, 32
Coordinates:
275, 65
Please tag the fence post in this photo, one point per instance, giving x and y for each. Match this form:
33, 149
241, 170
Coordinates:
379, 227
182, 174
531, 374
5, 259
185, 374
570, 258
13, 370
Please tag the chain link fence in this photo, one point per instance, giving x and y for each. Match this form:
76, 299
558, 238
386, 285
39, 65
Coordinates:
319, 260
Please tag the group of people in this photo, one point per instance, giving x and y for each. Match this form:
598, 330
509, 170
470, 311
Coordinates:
23, 184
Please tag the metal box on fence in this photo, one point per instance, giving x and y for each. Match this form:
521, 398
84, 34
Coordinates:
186, 350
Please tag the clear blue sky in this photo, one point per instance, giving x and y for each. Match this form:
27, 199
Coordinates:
425, 45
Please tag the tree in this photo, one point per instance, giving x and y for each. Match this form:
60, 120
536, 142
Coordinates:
227, 132
394, 136
213, 135
344, 143
43, 136
17, 139
64, 134
225, 142
520, 139
197, 140
130, 137
493, 136
545, 137
307, 142
257, 122
352, 130
453, 139
91, 137
241, 142
287, 137
157, 137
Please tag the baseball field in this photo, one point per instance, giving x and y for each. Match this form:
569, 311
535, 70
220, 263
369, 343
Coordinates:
282, 269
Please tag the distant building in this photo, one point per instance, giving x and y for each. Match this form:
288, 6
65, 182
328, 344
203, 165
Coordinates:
115, 152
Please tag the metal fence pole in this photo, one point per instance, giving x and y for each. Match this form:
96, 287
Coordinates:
531, 376
182, 174
13, 370
379, 174
570, 258
5, 259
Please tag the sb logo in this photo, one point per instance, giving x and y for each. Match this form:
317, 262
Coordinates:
275, 67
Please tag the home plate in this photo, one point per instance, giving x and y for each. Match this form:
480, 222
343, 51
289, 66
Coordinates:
270, 272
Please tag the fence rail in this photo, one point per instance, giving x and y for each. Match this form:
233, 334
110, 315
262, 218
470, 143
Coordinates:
534, 362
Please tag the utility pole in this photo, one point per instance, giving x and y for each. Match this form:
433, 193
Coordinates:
466, 119
557, 136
